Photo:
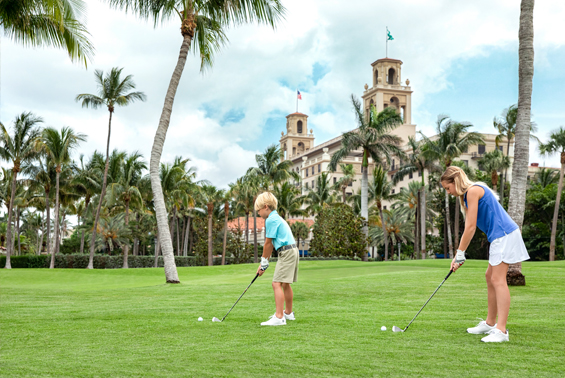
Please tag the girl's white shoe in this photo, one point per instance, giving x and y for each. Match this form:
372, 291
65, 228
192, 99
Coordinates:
496, 336
274, 321
481, 328
289, 316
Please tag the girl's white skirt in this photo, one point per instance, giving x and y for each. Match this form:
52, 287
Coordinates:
509, 249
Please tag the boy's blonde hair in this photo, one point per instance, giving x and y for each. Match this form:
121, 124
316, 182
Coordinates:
268, 199
455, 175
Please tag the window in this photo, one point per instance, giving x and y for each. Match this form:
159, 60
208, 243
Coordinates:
306, 185
528, 178
419, 174
465, 150
466, 162
350, 184
299, 127
410, 175
319, 168
312, 184
335, 180
306, 172
384, 207
312, 170
392, 166
393, 191
500, 148
482, 148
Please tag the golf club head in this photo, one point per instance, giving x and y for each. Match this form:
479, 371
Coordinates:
214, 319
396, 329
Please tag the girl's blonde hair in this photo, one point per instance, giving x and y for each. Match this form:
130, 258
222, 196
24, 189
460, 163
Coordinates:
455, 175
268, 199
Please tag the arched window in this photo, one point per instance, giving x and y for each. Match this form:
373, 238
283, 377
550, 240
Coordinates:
299, 127
391, 76
300, 148
376, 77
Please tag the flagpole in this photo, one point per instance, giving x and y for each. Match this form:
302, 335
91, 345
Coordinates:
386, 38
297, 100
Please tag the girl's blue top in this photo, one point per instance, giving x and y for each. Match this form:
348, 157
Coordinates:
492, 219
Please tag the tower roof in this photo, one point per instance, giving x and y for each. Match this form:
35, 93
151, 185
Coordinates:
296, 113
386, 60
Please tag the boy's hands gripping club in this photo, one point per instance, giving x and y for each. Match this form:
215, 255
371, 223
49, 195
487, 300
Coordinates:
263, 266
458, 260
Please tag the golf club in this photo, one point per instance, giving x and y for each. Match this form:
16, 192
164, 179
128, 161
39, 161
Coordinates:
396, 329
214, 319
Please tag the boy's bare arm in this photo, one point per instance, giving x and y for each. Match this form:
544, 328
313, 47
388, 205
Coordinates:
268, 248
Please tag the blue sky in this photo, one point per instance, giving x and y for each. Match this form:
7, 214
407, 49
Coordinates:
461, 59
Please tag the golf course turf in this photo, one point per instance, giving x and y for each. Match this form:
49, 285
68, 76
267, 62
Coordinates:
129, 323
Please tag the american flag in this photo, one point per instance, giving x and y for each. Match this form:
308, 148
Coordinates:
299, 95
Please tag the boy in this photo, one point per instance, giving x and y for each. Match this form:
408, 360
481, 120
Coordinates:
278, 237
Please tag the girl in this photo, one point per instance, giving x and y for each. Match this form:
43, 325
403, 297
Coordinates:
480, 207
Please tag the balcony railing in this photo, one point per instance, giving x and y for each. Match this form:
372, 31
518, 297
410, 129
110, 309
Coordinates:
477, 155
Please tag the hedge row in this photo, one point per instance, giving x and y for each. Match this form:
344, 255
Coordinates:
101, 261
79, 261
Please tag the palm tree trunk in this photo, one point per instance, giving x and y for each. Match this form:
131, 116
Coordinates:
186, 236
448, 223
343, 192
423, 223
255, 251
48, 220
417, 227
226, 214
41, 239
178, 233
517, 200
171, 274
102, 193
384, 232
190, 239
556, 210
136, 239
157, 250
181, 251
9, 226
364, 204
246, 230
56, 220
18, 230
505, 177
82, 242
210, 242
126, 247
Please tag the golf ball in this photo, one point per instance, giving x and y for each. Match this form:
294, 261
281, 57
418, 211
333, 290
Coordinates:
200, 319
383, 328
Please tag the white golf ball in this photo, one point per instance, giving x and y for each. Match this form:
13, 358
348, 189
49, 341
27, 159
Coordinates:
200, 319
383, 328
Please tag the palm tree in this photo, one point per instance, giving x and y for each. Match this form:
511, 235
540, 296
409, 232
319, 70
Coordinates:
410, 198
492, 162
545, 177
452, 139
556, 144
58, 147
244, 195
321, 195
346, 180
18, 149
112, 92
374, 139
506, 127
204, 22
126, 191
227, 198
517, 200
380, 190
300, 230
271, 166
211, 196
112, 232
39, 23
290, 200
399, 227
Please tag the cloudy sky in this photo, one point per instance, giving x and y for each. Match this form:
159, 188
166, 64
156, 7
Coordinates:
461, 59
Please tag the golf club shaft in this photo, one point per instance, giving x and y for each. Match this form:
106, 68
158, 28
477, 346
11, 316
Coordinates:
257, 275
446, 277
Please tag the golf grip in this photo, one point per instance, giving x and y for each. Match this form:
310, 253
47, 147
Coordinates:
446, 277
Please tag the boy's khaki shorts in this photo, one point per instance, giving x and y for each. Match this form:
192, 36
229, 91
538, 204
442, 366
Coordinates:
287, 266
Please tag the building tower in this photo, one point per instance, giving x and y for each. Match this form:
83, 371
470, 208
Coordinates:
387, 91
296, 140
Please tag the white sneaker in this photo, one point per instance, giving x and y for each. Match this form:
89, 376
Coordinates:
289, 316
481, 328
496, 336
274, 321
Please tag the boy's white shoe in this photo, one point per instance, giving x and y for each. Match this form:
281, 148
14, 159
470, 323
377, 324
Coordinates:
496, 336
274, 321
481, 328
289, 316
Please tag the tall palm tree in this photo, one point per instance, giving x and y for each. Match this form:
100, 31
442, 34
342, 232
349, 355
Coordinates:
506, 127
126, 191
452, 139
244, 195
348, 178
517, 200
211, 196
399, 227
556, 144
492, 162
290, 200
18, 149
58, 147
204, 22
300, 230
380, 190
374, 139
112, 92
410, 198
271, 166
39, 23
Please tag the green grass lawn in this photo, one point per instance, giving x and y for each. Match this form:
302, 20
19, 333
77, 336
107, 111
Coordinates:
128, 323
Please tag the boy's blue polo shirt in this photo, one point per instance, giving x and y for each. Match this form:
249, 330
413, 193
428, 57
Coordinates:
278, 230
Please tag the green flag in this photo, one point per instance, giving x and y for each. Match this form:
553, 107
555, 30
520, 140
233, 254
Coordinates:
389, 35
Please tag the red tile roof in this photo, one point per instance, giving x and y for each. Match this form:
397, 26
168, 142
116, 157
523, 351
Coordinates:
233, 224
